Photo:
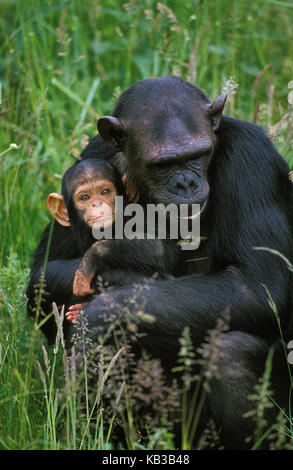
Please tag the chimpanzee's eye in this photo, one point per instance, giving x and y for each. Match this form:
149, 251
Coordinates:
84, 197
105, 191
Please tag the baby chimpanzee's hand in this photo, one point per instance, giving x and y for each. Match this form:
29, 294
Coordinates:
74, 311
82, 284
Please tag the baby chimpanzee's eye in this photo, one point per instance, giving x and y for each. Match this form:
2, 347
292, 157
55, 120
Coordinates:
84, 197
105, 191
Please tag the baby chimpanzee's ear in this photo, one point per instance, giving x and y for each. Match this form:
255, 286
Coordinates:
58, 209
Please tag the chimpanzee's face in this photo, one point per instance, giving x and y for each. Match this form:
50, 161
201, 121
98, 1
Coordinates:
172, 171
167, 135
95, 201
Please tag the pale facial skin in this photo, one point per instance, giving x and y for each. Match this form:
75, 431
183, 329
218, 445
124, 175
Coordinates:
95, 200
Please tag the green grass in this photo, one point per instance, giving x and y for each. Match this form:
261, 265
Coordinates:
62, 65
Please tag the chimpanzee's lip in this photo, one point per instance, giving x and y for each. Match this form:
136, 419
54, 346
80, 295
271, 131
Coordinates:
197, 214
98, 218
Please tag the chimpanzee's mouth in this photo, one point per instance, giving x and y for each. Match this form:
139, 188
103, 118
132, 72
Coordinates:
182, 212
197, 213
100, 218
100, 221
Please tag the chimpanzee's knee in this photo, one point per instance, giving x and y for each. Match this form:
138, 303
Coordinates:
240, 365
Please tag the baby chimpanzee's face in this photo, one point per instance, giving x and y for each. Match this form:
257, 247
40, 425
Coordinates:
88, 195
95, 202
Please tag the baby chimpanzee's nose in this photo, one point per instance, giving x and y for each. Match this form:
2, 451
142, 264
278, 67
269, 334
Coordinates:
97, 202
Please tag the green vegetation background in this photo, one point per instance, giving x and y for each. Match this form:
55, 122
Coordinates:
62, 65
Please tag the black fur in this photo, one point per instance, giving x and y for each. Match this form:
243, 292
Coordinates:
250, 205
120, 262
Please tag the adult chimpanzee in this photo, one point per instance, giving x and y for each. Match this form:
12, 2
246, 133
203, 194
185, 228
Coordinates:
178, 148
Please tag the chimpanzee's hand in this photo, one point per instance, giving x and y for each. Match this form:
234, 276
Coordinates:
82, 284
134, 309
74, 311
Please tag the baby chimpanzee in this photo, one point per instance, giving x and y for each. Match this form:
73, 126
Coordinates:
87, 203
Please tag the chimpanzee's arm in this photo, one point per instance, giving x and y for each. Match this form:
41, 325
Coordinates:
196, 301
144, 256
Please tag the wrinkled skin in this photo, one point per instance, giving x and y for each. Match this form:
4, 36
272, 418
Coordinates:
167, 147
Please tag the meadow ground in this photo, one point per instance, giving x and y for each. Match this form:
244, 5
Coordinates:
63, 63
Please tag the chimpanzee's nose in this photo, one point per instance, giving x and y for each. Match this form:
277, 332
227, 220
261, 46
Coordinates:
97, 203
183, 184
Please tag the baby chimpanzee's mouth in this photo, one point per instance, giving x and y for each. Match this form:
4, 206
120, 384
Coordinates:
98, 218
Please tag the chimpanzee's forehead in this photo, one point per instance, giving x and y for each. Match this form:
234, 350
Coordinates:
88, 178
165, 133
160, 111
88, 171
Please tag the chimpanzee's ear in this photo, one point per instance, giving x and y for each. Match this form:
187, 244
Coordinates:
130, 190
58, 209
112, 131
216, 109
